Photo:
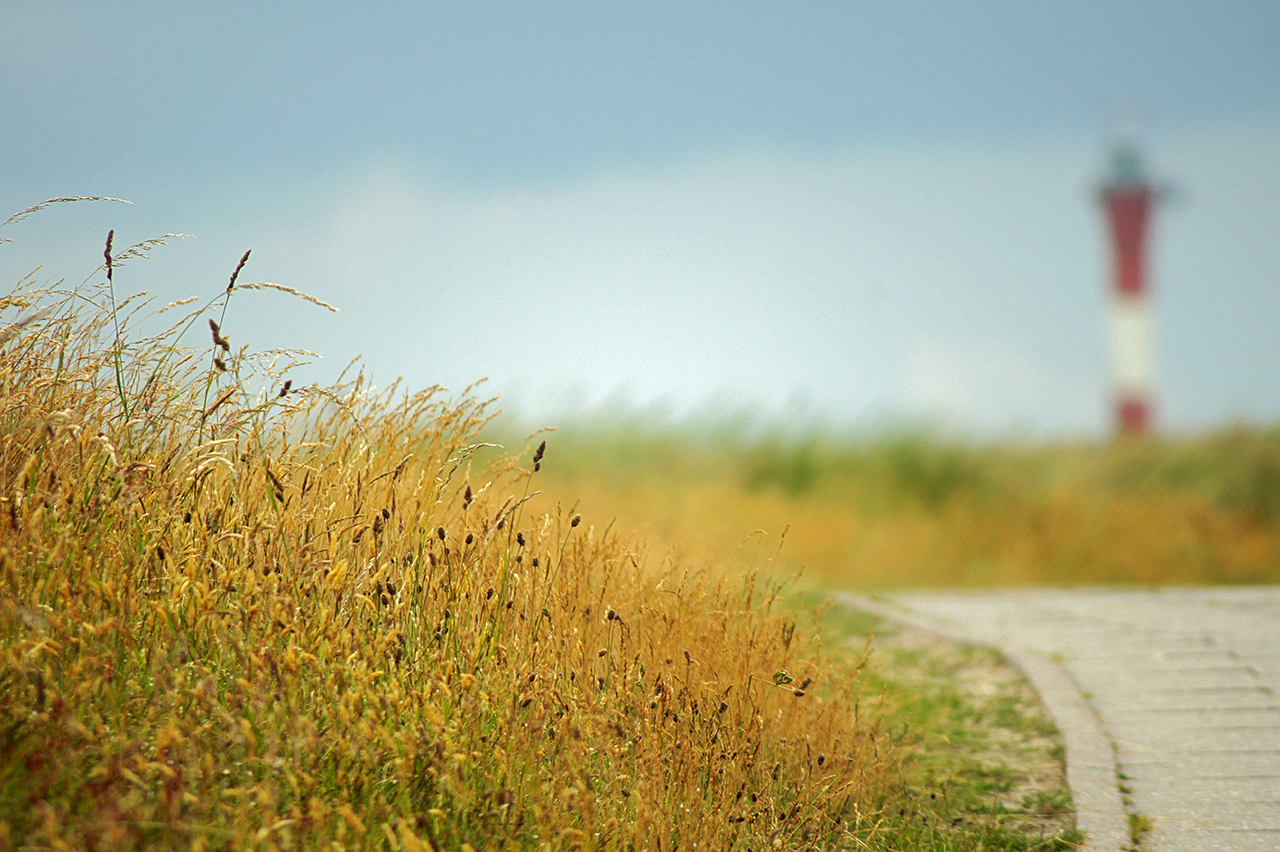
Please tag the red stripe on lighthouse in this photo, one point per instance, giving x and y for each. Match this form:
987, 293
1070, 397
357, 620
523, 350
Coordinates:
1128, 208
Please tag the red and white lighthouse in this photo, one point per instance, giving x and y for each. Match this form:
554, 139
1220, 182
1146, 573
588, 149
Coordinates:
1129, 200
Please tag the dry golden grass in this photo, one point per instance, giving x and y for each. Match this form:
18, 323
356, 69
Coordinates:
241, 614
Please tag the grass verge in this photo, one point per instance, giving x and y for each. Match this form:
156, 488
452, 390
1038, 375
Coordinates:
985, 766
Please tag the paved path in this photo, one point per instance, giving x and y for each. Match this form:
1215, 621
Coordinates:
1169, 701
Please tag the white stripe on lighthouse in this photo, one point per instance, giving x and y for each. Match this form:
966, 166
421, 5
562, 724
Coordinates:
1132, 335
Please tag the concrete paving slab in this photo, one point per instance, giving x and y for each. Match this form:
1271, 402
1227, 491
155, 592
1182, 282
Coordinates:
1212, 764
1202, 814
1161, 785
1173, 693
1175, 679
1186, 700
1261, 720
1186, 742
1222, 841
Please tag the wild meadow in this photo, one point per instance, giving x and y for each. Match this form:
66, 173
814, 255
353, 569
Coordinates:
239, 613
894, 509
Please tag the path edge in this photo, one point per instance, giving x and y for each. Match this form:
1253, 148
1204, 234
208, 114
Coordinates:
1093, 775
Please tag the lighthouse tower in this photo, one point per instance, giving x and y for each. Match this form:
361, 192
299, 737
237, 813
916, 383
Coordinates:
1129, 199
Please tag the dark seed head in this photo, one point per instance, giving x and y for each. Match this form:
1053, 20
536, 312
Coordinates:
236, 274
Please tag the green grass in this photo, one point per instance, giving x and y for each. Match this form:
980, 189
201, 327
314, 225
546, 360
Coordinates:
1139, 827
986, 766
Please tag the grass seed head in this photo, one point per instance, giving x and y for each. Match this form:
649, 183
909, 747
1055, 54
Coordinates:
239, 266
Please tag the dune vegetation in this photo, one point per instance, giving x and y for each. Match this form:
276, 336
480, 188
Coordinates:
239, 613
896, 508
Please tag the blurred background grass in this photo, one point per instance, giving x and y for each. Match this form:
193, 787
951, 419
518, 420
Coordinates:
903, 507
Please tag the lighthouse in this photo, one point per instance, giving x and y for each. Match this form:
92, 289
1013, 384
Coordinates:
1129, 201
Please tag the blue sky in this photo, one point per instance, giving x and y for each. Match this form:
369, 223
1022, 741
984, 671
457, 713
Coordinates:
846, 210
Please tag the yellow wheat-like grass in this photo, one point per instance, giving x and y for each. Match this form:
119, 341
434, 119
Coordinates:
316, 619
